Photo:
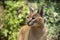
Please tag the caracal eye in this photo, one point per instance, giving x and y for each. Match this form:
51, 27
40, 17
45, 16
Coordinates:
27, 17
33, 18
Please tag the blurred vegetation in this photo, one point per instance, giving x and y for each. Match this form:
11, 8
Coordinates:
14, 17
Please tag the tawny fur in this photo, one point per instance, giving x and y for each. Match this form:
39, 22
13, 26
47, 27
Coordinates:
28, 33
38, 32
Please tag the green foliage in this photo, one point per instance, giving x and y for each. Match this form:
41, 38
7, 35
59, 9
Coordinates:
12, 19
52, 19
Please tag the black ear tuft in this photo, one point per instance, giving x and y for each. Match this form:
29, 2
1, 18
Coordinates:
40, 11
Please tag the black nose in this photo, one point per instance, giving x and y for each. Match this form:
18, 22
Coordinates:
33, 18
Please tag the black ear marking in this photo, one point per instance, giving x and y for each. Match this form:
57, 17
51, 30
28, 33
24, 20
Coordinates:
40, 11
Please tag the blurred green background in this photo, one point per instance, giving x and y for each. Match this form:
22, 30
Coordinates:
12, 17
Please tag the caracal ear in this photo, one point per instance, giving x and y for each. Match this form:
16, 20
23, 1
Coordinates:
31, 10
40, 11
